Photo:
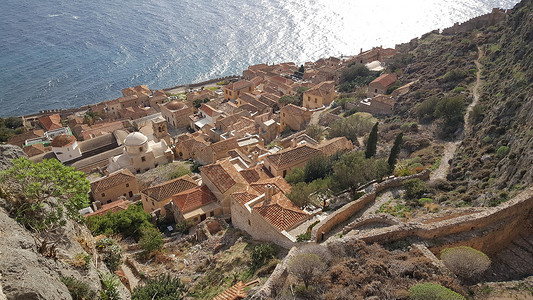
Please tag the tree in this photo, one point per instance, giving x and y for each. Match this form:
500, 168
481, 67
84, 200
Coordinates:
353, 170
395, 151
306, 266
371, 144
129, 222
13, 122
355, 125
151, 239
261, 254
41, 196
465, 262
299, 194
317, 167
295, 175
314, 131
163, 287
290, 99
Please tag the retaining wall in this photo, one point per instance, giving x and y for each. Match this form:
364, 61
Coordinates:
197, 84
486, 231
347, 211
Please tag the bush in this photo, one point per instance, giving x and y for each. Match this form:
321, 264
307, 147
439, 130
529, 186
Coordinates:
423, 201
79, 290
414, 188
355, 125
432, 291
151, 239
454, 75
426, 110
502, 151
306, 267
290, 99
110, 284
465, 262
127, 222
111, 253
178, 172
261, 254
162, 287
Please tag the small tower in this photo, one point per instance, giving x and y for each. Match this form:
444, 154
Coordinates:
159, 126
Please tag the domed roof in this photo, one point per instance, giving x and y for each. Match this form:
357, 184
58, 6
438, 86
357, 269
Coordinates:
135, 139
174, 105
63, 140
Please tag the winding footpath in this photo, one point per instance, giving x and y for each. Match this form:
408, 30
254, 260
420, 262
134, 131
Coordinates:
451, 147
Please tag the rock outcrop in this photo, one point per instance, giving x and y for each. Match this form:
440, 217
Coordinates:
7, 153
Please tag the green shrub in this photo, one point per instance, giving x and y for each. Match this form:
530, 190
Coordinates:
79, 290
502, 151
110, 284
151, 239
261, 254
458, 89
454, 75
487, 139
423, 201
432, 291
127, 222
465, 262
162, 287
183, 227
178, 172
111, 253
414, 188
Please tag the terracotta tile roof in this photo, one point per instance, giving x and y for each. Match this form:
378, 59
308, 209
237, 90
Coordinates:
63, 140
282, 80
330, 147
34, 149
321, 89
239, 85
292, 155
19, 139
254, 174
51, 122
166, 189
225, 145
222, 174
385, 79
209, 110
111, 180
279, 182
249, 107
113, 207
192, 199
293, 110
245, 196
280, 212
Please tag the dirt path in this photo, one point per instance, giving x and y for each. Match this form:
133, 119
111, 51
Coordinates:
450, 147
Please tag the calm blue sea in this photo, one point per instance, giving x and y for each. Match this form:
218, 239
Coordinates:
66, 53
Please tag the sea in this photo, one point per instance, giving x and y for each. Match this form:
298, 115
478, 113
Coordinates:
67, 53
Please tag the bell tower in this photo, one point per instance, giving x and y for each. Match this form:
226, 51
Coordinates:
159, 127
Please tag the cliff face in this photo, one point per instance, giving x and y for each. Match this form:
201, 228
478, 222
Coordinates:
498, 152
27, 274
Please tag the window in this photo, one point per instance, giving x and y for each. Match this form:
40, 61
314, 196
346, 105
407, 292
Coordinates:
143, 158
108, 201
153, 203
103, 194
127, 185
284, 173
308, 98
249, 223
316, 100
211, 214
131, 194
375, 90
284, 115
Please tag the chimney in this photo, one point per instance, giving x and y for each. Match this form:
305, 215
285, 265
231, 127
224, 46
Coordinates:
361, 51
294, 143
269, 189
97, 205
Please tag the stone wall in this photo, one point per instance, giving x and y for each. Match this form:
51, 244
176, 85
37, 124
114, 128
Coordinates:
487, 231
497, 15
344, 213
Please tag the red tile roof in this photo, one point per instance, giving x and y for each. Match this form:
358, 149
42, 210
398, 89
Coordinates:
225, 145
278, 181
245, 196
239, 85
254, 174
385, 79
330, 147
280, 212
34, 149
166, 189
208, 110
51, 122
222, 174
63, 140
111, 180
192, 199
290, 156
294, 110
233, 293
113, 207
321, 89
19, 139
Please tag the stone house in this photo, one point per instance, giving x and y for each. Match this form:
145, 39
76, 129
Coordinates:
157, 98
20, 139
140, 155
320, 95
282, 162
113, 207
206, 115
381, 84
294, 117
35, 149
374, 54
216, 151
190, 145
176, 113
115, 185
223, 179
157, 196
142, 92
266, 216
378, 105
65, 147
233, 90
201, 95
50, 122
334, 145
195, 205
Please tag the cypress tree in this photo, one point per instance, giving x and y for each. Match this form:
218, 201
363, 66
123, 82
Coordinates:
395, 151
371, 144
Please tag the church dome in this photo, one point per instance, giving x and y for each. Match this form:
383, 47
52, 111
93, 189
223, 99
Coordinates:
174, 105
135, 139
63, 141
